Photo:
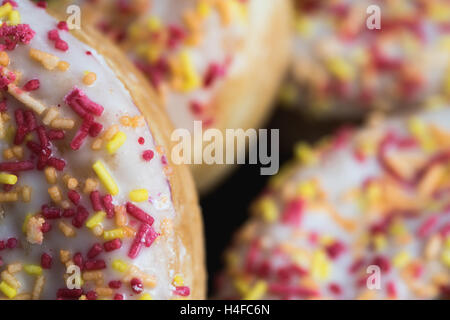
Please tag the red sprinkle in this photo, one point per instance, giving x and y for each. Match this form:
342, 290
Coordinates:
69, 213
118, 296
95, 129
139, 240
81, 104
141, 140
46, 261
95, 265
32, 85
74, 197
112, 245
62, 25
58, 164
11, 243
46, 227
95, 201
95, 250
109, 207
151, 236
91, 295
136, 285
139, 214
65, 293
148, 155
55, 135
292, 214
182, 291
115, 284
80, 217
51, 213
78, 260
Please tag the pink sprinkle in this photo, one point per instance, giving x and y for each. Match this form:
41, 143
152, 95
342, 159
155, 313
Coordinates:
46, 227
148, 155
32, 85
141, 140
182, 291
95, 250
95, 129
46, 261
81, 104
151, 236
74, 196
42, 4
197, 108
56, 163
51, 213
115, 284
139, 214
118, 296
78, 260
55, 135
61, 45
383, 263
391, 289
16, 166
91, 295
95, 265
112, 245
138, 241
426, 227
53, 35
109, 207
335, 288
13, 35
65, 293
62, 25
335, 249
11, 243
80, 217
69, 213
136, 285
293, 213
95, 201
212, 74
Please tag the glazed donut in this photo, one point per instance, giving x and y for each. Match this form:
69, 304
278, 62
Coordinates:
91, 207
215, 61
341, 68
365, 215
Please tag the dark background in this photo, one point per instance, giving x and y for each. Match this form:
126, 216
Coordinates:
226, 207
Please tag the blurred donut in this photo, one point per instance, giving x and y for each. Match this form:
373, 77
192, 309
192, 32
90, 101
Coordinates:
365, 215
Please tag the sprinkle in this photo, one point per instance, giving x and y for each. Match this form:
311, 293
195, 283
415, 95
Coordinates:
145, 296
46, 261
95, 200
148, 155
178, 280
257, 292
89, 78
48, 61
113, 234
8, 178
96, 219
32, 85
95, 250
119, 265
138, 195
112, 245
8, 291
66, 229
33, 269
105, 178
182, 291
139, 214
116, 142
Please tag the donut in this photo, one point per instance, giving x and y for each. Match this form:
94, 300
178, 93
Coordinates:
362, 215
91, 207
215, 61
342, 69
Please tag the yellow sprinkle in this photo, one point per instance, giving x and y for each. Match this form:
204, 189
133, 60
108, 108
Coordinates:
8, 178
257, 292
139, 195
5, 10
203, 9
320, 266
307, 189
305, 154
191, 80
401, 259
8, 291
268, 209
25, 222
146, 296
380, 242
113, 234
241, 286
303, 26
340, 69
96, 219
446, 257
33, 269
14, 18
178, 281
119, 265
154, 24
105, 178
419, 130
116, 142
